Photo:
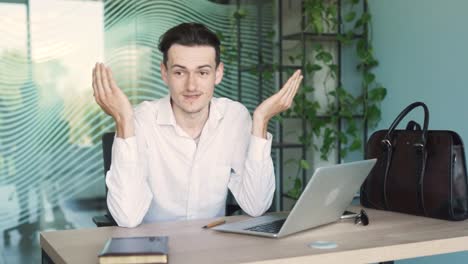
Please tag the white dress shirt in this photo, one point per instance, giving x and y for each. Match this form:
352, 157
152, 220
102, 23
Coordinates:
161, 174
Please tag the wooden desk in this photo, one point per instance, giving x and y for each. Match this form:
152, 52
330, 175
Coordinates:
389, 236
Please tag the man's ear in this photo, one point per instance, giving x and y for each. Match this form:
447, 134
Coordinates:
219, 73
163, 73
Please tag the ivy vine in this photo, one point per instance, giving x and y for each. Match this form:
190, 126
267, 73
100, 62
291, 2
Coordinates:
322, 19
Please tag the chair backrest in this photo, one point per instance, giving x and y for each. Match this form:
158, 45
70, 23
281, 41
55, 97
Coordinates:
108, 140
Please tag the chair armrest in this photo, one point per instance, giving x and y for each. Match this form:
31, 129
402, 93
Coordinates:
103, 220
233, 209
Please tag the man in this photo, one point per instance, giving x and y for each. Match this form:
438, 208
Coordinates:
176, 157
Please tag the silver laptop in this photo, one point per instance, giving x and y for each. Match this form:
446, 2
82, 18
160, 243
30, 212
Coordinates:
325, 198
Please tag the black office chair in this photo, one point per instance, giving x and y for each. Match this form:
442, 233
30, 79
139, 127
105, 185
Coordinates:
232, 208
107, 141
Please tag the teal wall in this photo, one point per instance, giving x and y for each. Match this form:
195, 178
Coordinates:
422, 49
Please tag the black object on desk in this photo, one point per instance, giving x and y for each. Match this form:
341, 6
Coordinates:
147, 249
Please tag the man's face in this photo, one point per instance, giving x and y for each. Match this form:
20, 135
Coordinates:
191, 75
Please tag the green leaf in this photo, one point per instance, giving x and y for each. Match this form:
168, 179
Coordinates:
350, 16
271, 34
343, 153
312, 67
324, 56
356, 145
289, 72
334, 68
369, 77
220, 35
304, 139
307, 89
363, 20
308, 67
351, 129
362, 49
342, 38
304, 164
373, 113
346, 113
294, 193
328, 140
239, 14
297, 184
291, 59
316, 67
275, 66
366, 17
315, 19
332, 11
342, 137
268, 75
377, 94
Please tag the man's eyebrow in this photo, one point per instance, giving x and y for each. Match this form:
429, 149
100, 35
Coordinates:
204, 66
179, 66
199, 67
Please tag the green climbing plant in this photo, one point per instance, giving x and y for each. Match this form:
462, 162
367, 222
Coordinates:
341, 105
322, 20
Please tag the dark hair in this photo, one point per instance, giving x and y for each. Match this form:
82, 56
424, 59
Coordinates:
189, 34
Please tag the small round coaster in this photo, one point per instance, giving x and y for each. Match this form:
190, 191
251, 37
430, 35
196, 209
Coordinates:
323, 245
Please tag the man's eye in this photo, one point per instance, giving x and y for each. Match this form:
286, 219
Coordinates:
178, 73
203, 73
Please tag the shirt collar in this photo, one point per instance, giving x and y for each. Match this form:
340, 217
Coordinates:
166, 116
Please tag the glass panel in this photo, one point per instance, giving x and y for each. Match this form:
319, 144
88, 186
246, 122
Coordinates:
48, 138
14, 83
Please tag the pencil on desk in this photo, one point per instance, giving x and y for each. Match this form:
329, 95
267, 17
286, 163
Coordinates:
215, 223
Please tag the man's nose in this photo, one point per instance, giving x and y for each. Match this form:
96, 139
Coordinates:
192, 82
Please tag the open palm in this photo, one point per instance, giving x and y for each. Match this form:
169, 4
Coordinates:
281, 100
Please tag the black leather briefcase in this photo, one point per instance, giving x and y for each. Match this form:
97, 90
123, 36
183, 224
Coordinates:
418, 171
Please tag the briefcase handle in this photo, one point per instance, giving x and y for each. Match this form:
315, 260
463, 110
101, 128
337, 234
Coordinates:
402, 115
419, 146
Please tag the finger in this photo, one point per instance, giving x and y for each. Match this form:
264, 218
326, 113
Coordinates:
110, 77
296, 85
290, 89
283, 102
286, 98
295, 89
94, 82
285, 87
93, 85
99, 93
105, 80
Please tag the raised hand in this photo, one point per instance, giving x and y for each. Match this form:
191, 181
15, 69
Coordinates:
112, 100
275, 104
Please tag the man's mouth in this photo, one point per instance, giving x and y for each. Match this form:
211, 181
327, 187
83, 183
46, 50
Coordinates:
191, 97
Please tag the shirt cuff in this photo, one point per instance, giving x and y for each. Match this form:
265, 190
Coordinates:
260, 148
124, 151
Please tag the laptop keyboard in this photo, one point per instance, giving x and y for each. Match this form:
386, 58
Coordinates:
272, 227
